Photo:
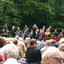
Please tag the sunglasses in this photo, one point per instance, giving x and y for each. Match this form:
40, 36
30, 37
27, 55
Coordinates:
58, 59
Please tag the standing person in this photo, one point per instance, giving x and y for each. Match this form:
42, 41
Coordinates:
13, 30
34, 30
33, 54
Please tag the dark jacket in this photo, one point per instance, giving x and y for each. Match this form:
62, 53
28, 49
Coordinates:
33, 54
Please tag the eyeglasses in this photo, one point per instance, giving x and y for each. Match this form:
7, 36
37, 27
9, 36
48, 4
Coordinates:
57, 58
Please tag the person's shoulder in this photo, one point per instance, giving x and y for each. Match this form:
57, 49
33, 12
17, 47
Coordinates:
37, 49
21, 62
1, 62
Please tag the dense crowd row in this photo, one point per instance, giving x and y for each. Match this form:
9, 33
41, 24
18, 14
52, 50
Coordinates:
35, 32
31, 51
29, 47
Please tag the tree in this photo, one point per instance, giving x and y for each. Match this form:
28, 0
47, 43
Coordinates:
29, 12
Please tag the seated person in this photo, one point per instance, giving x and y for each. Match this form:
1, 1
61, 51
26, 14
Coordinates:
52, 56
10, 54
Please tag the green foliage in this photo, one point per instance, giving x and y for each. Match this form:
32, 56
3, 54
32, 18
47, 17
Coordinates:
41, 12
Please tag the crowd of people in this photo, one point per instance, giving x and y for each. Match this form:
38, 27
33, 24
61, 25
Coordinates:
31, 51
29, 47
34, 32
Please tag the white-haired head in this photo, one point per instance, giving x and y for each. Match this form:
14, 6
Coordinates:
51, 52
61, 41
21, 39
10, 51
27, 38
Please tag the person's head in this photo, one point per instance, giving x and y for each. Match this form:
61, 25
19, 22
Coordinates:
9, 51
18, 27
47, 42
1, 41
33, 42
25, 26
61, 47
15, 41
20, 39
55, 30
62, 30
53, 42
52, 56
40, 38
34, 25
61, 41
27, 39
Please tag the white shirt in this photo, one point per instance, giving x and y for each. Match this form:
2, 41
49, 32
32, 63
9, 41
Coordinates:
11, 61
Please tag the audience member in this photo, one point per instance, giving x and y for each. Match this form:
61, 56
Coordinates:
15, 41
61, 48
33, 54
61, 41
52, 56
54, 43
32, 48
27, 40
40, 43
46, 45
10, 54
2, 43
21, 44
